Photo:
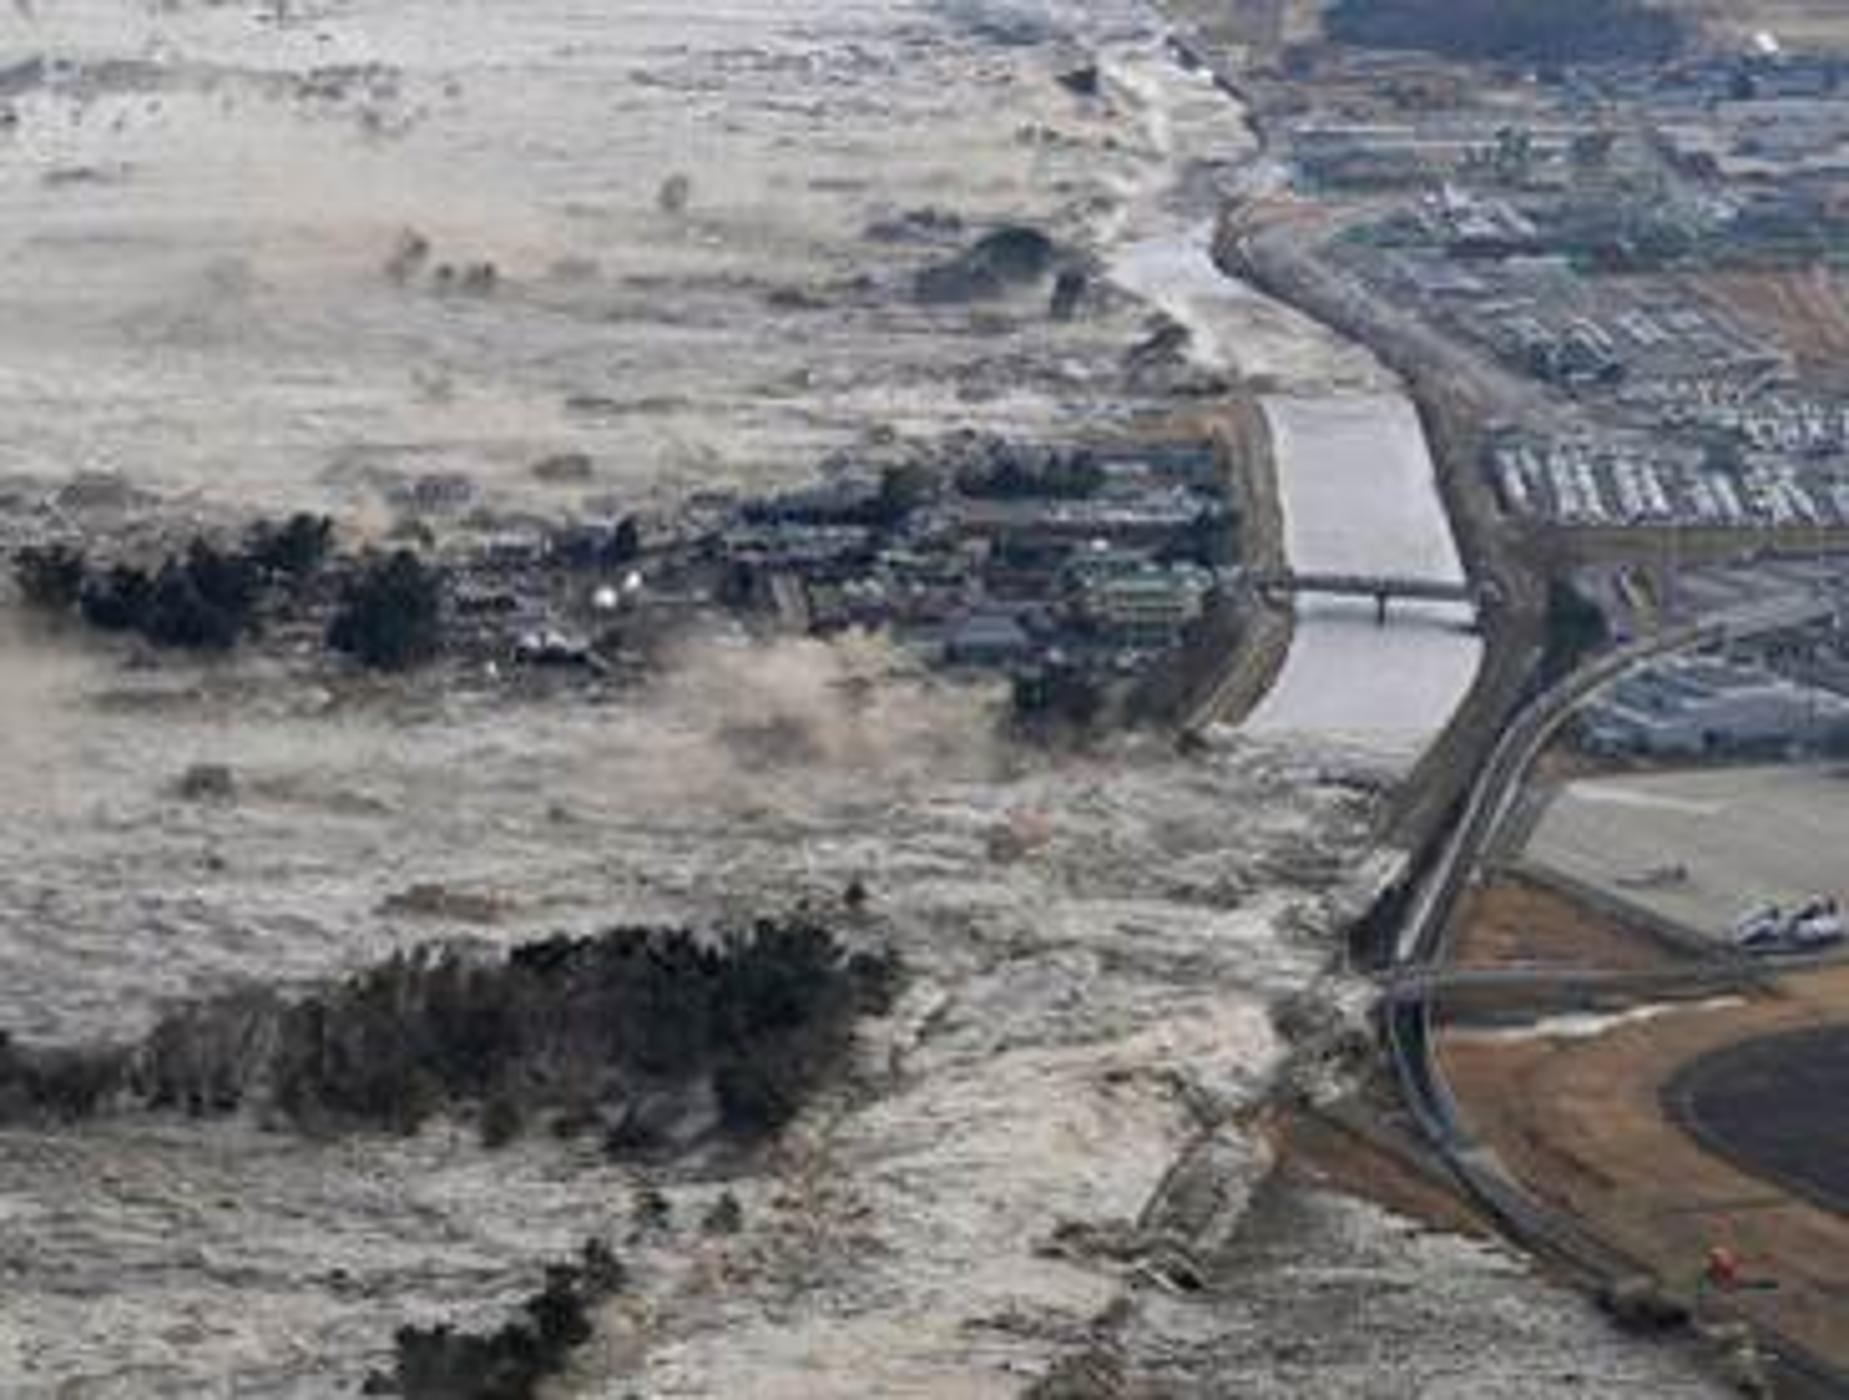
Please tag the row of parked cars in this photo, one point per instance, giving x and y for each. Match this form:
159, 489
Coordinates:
1815, 924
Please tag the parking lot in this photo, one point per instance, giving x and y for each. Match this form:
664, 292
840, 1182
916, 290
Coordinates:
1612, 479
1702, 848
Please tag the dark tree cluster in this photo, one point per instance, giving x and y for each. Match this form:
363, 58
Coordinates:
988, 268
761, 1014
1530, 31
1056, 700
294, 549
50, 577
904, 488
509, 1363
1575, 627
1206, 540
594, 1029
56, 1085
204, 598
391, 615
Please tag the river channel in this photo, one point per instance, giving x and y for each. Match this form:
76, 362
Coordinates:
1358, 496
1358, 493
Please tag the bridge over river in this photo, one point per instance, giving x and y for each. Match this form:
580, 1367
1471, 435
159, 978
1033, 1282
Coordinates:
1363, 520
1382, 588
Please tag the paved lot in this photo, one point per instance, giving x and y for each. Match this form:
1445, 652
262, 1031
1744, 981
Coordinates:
1703, 847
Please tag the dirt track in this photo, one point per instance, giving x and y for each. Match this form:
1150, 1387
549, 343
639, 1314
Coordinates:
1797, 22
1805, 310
1581, 1123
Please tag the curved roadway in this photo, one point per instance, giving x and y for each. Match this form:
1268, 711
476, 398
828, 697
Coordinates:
1424, 945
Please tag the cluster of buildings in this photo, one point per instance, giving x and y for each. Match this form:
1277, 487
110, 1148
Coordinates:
1777, 147
1710, 707
1779, 119
1467, 224
978, 553
1538, 313
1795, 425
1761, 141
557, 595
1690, 416
1512, 214
994, 555
1389, 153
1771, 696
1767, 131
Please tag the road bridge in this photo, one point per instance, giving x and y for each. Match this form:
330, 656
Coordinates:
1382, 588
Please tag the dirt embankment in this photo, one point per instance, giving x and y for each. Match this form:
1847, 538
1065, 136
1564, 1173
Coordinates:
1806, 311
1516, 921
1511, 611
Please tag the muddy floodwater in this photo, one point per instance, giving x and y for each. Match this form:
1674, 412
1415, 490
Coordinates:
256, 256
200, 207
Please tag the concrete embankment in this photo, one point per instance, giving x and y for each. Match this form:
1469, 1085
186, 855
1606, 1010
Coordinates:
1336, 480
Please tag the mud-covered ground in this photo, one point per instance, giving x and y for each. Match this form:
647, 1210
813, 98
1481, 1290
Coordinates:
197, 203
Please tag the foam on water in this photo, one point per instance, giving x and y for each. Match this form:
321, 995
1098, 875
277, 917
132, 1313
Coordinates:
198, 201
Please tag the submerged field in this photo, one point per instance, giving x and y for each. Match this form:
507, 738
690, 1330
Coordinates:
200, 314
200, 204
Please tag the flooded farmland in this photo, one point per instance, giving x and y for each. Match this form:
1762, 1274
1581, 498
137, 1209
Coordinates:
212, 302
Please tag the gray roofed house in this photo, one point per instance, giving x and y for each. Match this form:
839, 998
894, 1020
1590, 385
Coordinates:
987, 639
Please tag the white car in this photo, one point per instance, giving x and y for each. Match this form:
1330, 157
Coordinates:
1817, 925
1761, 928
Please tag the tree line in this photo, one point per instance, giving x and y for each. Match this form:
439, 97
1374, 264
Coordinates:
210, 597
509, 1363
586, 1029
